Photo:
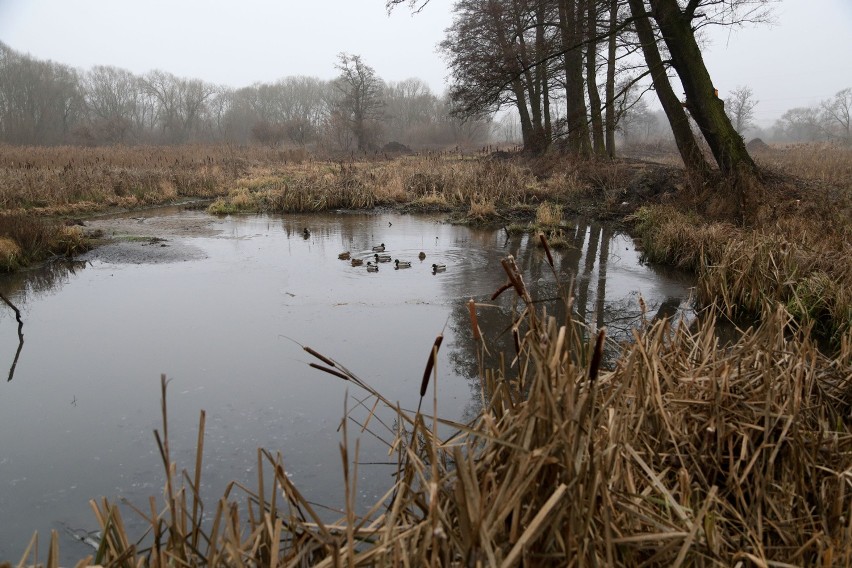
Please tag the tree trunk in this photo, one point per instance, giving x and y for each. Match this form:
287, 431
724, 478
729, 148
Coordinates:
610, 80
591, 80
541, 75
702, 102
529, 131
571, 30
690, 152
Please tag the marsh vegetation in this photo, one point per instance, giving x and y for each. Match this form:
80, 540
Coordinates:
678, 449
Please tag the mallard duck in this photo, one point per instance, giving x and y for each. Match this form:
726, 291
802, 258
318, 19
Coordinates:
439, 267
382, 257
422, 256
372, 267
344, 255
357, 262
402, 263
379, 248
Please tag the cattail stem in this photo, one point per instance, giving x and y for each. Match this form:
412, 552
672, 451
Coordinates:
597, 356
474, 323
543, 240
424, 384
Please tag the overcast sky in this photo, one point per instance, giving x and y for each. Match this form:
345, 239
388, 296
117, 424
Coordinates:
803, 59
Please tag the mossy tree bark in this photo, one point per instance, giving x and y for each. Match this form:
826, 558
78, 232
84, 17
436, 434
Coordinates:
703, 104
687, 145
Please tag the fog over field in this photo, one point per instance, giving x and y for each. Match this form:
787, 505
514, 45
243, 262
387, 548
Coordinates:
799, 61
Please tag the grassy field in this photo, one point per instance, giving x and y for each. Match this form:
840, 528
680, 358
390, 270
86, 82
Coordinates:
686, 451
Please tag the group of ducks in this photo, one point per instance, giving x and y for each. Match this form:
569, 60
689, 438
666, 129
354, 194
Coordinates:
380, 256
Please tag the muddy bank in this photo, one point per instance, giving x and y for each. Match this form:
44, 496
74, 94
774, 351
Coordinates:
160, 235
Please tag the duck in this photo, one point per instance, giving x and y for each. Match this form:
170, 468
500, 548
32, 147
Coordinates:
372, 267
357, 262
306, 233
382, 257
379, 248
402, 263
344, 255
422, 255
439, 267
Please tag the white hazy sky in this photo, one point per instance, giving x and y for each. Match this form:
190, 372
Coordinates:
804, 58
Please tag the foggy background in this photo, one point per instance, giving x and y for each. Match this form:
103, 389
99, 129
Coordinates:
259, 71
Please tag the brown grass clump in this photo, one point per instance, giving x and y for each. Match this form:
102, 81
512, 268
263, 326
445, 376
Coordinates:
25, 240
548, 215
481, 210
685, 452
10, 252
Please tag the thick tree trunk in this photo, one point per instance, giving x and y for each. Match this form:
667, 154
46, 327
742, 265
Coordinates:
690, 152
571, 30
527, 136
541, 74
610, 80
598, 144
703, 104
522, 85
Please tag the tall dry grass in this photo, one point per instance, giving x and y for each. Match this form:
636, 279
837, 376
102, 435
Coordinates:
479, 186
24, 240
823, 162
686, 452
69, 179
806, 267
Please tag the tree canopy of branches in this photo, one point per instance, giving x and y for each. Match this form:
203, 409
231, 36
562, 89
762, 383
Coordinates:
740, 107
359, 103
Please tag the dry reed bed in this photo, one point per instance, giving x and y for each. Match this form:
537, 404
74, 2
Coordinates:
687, 452
828, 163
70, 178
806, 267
480, 186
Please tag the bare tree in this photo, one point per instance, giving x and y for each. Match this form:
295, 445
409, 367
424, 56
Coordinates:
836, 114
571, 26
740, 108
180, 103
802, 124
687, 145
111, 96
677, 25
498, 54
40, 101
359, 102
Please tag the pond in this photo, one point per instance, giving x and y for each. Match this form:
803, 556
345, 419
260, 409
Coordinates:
220, 307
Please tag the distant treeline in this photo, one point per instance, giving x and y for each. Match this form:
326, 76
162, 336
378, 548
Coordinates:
48, 103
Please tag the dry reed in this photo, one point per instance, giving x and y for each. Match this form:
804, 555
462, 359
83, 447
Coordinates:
742, 269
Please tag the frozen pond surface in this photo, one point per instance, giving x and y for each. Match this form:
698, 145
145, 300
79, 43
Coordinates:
218, 310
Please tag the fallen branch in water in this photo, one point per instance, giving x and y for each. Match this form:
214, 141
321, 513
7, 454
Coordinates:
20, 335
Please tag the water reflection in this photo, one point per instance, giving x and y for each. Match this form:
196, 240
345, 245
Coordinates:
25, 284
211, 309
599, 273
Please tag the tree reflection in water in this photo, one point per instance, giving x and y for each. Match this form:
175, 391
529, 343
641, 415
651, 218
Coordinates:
26, 284
580, 271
